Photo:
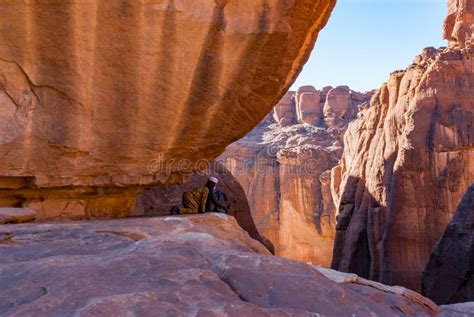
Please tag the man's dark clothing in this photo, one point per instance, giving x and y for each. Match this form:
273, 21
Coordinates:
219, 197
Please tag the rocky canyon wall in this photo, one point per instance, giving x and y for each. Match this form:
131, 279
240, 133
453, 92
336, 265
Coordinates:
93, 91
408, 159
283, 166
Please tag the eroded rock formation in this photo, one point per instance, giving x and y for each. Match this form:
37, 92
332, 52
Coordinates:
283, 166
408, 159
449, 275
93, 91
16, 215
458, 27
201, 265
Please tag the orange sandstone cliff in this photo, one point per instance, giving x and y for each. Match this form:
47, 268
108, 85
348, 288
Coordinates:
284, 167
408, 159
92, 92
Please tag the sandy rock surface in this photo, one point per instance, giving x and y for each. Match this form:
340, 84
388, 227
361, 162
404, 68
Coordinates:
171, 266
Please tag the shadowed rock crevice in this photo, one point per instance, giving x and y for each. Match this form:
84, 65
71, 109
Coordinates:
158, 200
351, 245
232, 288
449, 275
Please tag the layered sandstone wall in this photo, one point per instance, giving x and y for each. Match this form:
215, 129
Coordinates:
408, 159
283, 166
93, 91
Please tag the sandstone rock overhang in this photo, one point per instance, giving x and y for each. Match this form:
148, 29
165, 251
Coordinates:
92, 91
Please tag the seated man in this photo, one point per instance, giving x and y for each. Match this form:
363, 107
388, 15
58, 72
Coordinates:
217, 202
201, 200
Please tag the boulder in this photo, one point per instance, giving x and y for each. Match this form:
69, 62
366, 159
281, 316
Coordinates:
16, 215
308, 105
457, 310
448, 277
284, 111
340, 106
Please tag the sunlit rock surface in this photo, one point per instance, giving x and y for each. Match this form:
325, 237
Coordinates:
201, 265
92, 92
283, 166
408, 159
458, 27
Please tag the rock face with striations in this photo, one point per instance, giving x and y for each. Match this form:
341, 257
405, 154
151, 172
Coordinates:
408, 159
449, 276
93, 91
283, 166
202, 265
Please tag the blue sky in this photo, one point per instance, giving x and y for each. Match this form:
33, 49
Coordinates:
365, 40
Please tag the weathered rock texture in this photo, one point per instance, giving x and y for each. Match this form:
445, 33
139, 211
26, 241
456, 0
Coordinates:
449, 276
283, 166
157, 200
458, 27
175, 266
457, 310
93, 91
408, 159
16, 215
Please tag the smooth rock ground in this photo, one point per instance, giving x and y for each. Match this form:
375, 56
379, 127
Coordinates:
203, 265
458, 310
